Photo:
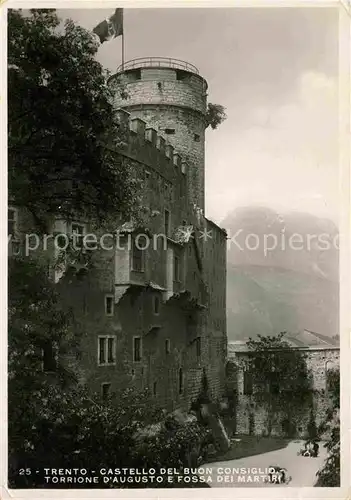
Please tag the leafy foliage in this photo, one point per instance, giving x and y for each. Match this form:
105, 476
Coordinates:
215, 115
35, 322
173, 444
272, 361
73, 429
281, 379
62, 129
329, 474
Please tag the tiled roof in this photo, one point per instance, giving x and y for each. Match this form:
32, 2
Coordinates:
304, 339
307, 338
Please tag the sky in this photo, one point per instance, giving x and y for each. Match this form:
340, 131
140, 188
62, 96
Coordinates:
275, 70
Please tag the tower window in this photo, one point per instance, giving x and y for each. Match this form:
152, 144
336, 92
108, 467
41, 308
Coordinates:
196, 137
167, 346
134, 74
169, 131
181, 75
154, 389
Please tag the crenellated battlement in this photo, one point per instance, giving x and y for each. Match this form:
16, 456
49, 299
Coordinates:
168, 97
145, 145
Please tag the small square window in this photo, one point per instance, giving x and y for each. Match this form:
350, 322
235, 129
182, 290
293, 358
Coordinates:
109, 305
105, 390
196, 137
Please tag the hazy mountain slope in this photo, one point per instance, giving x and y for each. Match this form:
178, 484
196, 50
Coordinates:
285, 288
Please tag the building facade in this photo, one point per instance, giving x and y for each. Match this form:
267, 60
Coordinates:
252, 415
151, 306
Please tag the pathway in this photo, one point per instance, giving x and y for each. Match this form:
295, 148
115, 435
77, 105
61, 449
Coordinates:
301, 469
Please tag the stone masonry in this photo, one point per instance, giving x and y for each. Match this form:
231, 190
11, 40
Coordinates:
153, 316
250, 416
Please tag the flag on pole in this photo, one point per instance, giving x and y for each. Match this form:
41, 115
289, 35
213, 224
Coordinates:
111, 27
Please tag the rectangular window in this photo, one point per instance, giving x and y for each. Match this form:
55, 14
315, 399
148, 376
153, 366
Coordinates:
107, 350
167, 219
248, 383
12, 221
137, 349
105, 390
78, 231
102, 344
110, 350
167, 346
137, 258
109, 305
154, 389
169, 131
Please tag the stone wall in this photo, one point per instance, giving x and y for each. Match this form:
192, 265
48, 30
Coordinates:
167, 103
252, 416
187, 336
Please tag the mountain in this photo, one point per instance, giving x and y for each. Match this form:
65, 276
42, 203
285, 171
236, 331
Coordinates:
282, 273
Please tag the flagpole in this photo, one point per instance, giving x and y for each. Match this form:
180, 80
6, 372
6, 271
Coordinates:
123, 40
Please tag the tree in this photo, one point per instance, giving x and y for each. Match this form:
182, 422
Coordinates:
39, 334
329, 474
62, 130
280, 377
215, 115
71, 428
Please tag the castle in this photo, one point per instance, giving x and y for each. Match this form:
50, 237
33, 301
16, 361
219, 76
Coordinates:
152, 310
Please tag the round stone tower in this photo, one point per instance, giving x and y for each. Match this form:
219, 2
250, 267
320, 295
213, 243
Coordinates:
171, 97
